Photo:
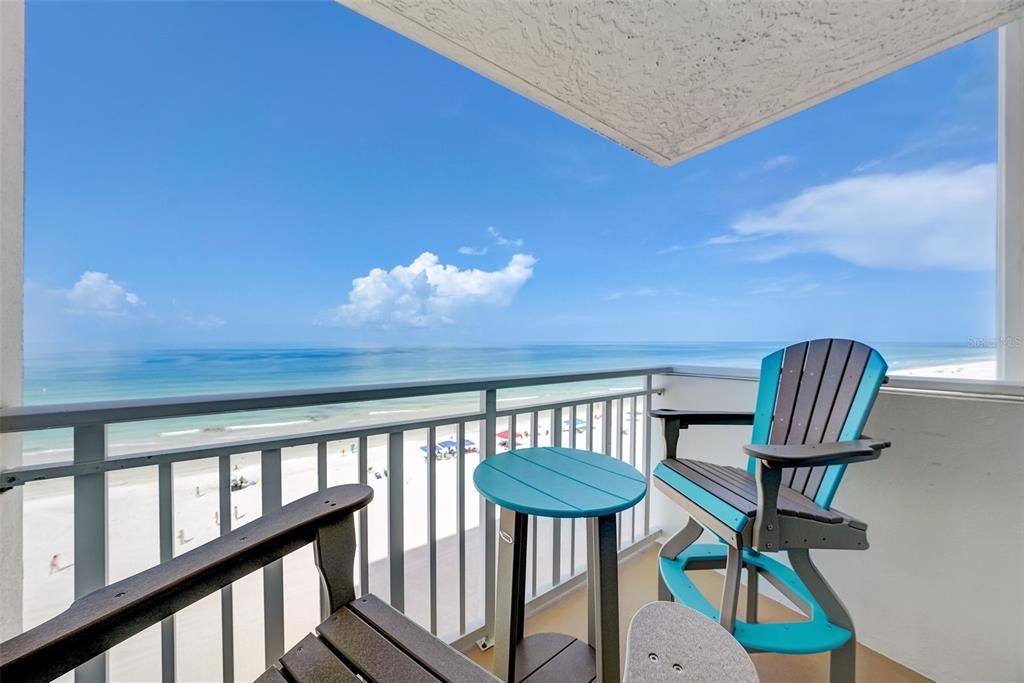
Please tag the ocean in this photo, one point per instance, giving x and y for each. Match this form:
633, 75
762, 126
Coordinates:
128, 374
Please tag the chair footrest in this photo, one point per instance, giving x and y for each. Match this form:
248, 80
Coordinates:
816, 634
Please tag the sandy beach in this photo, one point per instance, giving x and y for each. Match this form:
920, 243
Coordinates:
984, 369
133, 544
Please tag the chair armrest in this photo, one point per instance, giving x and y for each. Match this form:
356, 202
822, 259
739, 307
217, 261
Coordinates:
682, 419
110, 615
773, 459
805, 455
685, 418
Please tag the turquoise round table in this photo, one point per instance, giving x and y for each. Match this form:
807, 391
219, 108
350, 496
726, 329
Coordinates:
558, 482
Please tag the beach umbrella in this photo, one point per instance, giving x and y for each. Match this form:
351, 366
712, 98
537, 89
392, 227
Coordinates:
447, 444
468, 443
504, 435
579, 422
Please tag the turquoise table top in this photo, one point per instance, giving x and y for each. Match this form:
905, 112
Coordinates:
559, 482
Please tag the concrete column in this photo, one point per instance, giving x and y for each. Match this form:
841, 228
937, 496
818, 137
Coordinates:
1010, 257
12, 213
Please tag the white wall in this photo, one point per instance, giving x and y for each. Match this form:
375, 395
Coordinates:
1010, 250
12, 148
941, 590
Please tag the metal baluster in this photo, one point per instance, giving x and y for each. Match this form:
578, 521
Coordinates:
512, 441
165, 503
572, 522
227, 615
618, 435
273, 573
460, 517
90, 444
364, 522
489, 406
321, 466
621, 454
606, 424
590, 427
556, 523
648, 387
396, 518
432, 523
633, 423
533, 518
321, 485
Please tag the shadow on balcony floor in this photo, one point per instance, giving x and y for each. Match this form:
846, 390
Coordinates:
637, 587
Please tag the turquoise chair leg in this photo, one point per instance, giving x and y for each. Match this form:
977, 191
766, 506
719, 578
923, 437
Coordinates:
843, 661
686, 537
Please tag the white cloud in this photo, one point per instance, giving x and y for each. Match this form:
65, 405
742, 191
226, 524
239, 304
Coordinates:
503, 241
927, 141
941, 217
499, 239
97, 294
671, 249
203, 322
426, 292
770, 164
777, 161
793, 285
637, 292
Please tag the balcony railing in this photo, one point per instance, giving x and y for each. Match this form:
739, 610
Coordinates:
613, 422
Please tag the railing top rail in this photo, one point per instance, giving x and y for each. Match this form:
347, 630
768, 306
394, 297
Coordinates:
16, 476
52, 416
951, 386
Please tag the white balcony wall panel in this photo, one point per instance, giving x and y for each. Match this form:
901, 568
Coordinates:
1010, 253
12, 205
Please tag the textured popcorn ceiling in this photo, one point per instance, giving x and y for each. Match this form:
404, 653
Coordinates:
672, 79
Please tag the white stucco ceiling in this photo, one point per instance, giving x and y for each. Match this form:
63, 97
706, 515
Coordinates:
672, 79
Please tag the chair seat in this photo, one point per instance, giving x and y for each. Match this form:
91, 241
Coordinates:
738, 490
368, 640
671, 642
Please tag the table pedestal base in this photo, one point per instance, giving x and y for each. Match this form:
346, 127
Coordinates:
555, 658
602, 651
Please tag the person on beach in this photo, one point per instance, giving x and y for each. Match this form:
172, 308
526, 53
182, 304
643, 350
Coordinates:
55, 564
181, 537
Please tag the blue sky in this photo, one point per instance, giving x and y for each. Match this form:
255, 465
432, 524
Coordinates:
203, 174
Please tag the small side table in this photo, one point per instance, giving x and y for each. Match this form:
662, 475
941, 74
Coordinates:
558, 482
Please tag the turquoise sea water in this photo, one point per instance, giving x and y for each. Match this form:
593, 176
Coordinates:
95, 376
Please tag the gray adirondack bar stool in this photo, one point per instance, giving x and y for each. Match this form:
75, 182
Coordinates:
812, 403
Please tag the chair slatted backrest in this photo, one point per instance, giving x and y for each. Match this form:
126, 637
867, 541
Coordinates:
820, 391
